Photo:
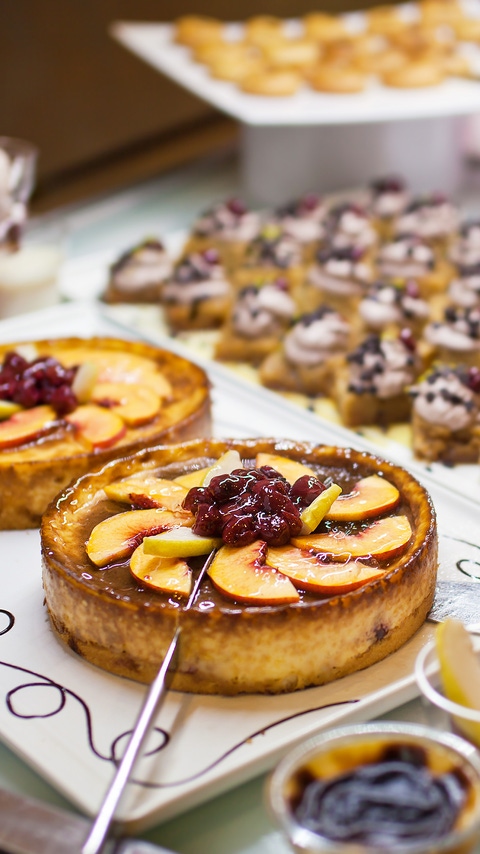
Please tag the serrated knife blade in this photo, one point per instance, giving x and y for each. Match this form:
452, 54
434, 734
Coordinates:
459, 601
30, 826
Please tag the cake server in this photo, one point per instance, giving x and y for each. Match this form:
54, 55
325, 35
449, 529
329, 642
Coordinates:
95, 841
459, 601
30, 826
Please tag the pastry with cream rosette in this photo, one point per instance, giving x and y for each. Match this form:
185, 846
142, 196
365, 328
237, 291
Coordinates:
259, 317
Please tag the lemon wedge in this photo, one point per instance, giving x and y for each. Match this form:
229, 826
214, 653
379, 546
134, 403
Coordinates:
312, 515
179, 542
459, 671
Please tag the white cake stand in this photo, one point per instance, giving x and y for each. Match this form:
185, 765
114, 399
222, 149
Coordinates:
315, 141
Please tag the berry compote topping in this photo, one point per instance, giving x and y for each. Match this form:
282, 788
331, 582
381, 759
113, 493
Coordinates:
251, 504
43, 380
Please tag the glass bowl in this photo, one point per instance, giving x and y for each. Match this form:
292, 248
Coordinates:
336, 755
446, 713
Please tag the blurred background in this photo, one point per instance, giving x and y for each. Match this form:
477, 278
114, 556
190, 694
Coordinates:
101, 118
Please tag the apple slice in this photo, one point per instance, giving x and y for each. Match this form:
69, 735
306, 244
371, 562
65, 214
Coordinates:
371, 496
290, 469
84, 381
240, 573
192, 478
135, 404
459, 672
95, 426
384, 538
27, 425
150, 492
309, 572
228, 462
180, 542
116, 537
168, 575
8, 408
312, 515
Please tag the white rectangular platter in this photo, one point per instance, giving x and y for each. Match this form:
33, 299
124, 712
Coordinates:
154, 43
69, 720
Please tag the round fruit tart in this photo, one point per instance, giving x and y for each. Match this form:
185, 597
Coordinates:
69, 405
324, 562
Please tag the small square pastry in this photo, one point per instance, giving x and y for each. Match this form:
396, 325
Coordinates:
258, 319
272, 254
432, 217
350, 226
394, 305
305, 360
464, 289
198, 294
304, 220
408, 256
228, 226
337, 276
139, 273
456, 338
387, 199
464, 249
372, 381
446, 415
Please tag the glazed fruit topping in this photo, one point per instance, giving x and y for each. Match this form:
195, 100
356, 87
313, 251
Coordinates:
43, 380
251, 504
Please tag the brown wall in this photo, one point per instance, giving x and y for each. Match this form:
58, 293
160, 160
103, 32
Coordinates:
68, 87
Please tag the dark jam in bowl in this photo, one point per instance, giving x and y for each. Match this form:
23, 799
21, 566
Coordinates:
393, 799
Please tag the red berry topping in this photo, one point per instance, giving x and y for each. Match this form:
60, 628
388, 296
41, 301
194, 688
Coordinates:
251, 504
44, 380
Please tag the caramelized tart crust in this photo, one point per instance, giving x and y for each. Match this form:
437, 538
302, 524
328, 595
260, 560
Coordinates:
227, 647
32, 473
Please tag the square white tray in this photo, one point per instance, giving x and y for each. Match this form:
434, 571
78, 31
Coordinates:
68, 719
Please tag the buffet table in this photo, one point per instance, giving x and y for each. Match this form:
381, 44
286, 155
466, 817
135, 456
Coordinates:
227, 818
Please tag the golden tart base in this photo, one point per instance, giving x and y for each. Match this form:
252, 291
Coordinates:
225, 647
32, 474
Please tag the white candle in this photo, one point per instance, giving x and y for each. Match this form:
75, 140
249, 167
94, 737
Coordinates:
28, 279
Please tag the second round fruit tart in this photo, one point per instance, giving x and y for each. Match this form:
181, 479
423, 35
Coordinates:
68, 405
325, 563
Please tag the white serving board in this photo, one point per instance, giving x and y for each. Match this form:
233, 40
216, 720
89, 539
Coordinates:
154, 43
68, 719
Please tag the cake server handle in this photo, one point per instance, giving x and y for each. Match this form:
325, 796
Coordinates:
156, 694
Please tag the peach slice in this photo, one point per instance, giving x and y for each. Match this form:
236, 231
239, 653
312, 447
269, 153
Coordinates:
95, 426
135, 404
168, 575
150, 492
371, 496
26, 425
192, 478
158, 383
116, 537
290, 469
384, 538
309, 572
240, 573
